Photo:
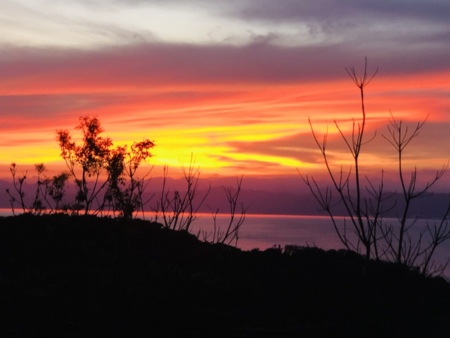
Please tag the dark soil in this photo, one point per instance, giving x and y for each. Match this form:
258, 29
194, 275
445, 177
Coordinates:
67, 276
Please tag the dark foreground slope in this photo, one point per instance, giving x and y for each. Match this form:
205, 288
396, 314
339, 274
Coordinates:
63, 276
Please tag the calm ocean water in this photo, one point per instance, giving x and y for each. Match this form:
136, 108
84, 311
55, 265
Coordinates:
266, 231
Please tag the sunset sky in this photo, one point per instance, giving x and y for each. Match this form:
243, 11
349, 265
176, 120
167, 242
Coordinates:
230, 82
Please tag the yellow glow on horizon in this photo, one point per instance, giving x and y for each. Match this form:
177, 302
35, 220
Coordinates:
29, 155
227, 127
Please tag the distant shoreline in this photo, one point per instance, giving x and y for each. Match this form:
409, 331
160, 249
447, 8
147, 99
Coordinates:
5, 212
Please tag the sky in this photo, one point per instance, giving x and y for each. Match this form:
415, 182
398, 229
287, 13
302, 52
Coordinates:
231, 83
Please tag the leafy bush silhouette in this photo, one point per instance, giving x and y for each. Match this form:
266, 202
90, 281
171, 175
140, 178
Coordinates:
105, 177
106, 180
95, 157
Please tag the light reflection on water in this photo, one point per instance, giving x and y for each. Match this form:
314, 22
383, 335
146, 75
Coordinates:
266, 231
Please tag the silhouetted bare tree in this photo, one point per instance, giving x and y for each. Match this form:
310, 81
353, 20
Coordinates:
342, 181
48, 196
366, 206
18, 187
230, 233
179, 209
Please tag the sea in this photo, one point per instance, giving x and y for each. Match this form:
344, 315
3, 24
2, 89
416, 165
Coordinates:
262, 231
277, 231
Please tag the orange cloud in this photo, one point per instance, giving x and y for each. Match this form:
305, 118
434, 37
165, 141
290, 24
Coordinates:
234, 117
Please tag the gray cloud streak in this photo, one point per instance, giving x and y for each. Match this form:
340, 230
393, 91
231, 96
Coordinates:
158, 63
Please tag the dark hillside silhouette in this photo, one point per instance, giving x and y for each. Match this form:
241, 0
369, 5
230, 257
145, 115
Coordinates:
85, 276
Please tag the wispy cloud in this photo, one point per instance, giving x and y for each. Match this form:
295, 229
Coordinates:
365, 24
234, 82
